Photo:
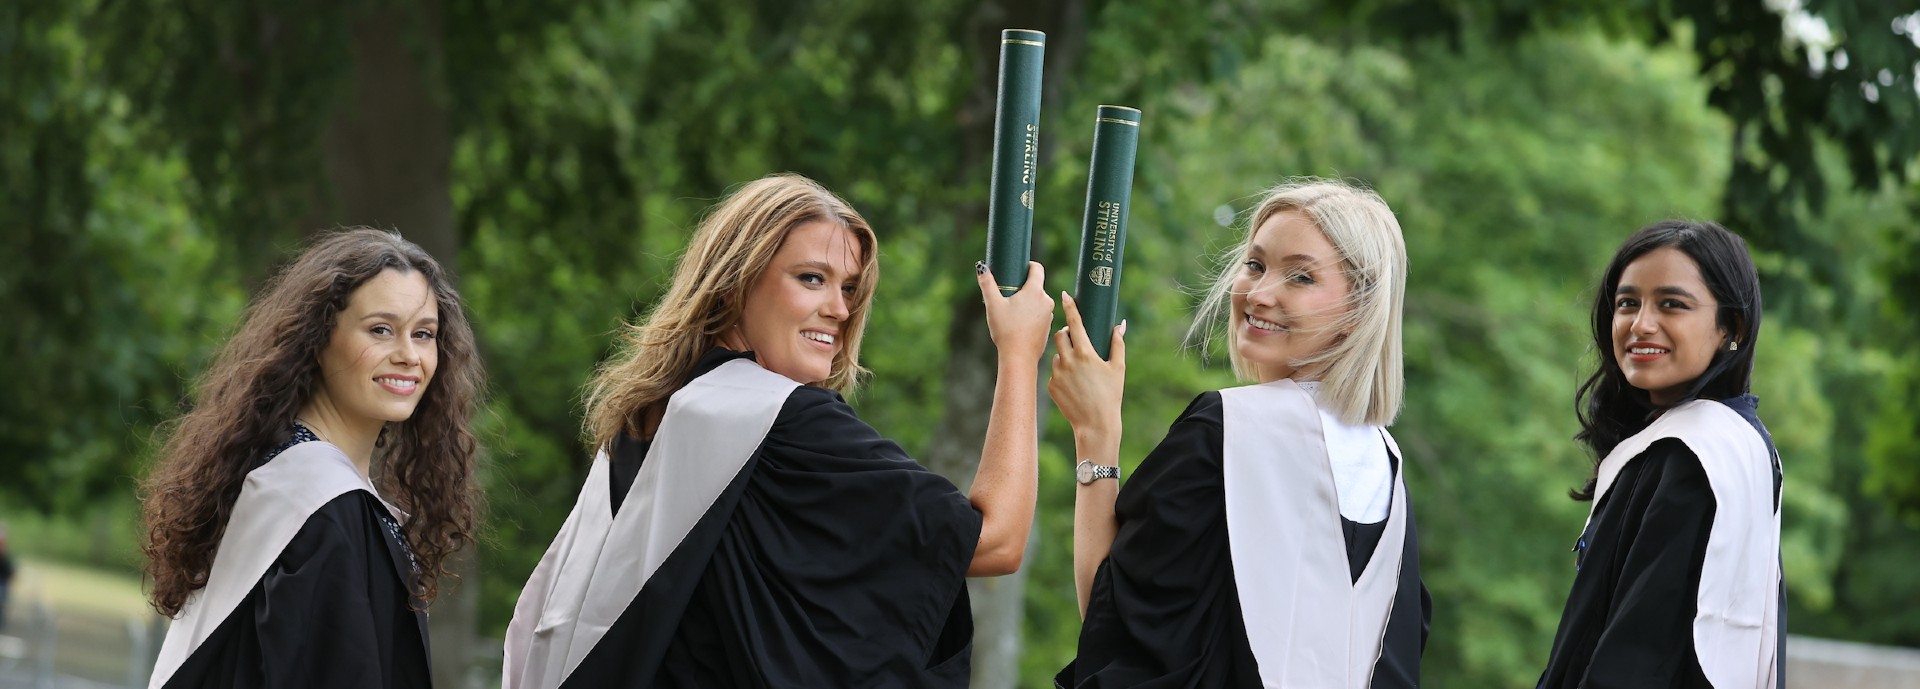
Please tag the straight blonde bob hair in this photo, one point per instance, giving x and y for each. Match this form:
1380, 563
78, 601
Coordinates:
724, 260
1360, 374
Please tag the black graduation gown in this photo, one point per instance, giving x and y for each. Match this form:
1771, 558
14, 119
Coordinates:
331, 612
832, 560
1628, 621
1165, 609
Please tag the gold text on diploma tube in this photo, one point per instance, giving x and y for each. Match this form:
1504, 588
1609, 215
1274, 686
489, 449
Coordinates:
1106, 218
1027, 154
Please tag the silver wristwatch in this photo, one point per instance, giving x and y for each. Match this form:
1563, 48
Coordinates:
1087, 472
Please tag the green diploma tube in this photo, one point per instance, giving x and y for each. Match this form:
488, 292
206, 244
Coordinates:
1016, 162
1103, 232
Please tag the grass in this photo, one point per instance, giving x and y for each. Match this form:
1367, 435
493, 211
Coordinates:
78, 589
94, 611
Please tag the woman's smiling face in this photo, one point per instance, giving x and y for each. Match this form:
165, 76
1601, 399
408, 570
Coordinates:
384, 349
1289, 298
1666, 326
793, 314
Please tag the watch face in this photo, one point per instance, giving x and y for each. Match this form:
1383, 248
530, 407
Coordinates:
1084, 472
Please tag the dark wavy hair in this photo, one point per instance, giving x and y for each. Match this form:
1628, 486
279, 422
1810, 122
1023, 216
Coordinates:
244, 407
1610, 408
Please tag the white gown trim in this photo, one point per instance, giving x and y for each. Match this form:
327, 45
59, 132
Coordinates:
275, 502
1309, 622
1736, 623
599, 561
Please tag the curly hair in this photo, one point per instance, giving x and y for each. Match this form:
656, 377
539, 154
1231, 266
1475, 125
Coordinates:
244, 406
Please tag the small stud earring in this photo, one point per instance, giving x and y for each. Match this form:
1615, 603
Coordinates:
1733, 346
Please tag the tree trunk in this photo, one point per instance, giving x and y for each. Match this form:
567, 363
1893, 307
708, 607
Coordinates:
388, 157
388, 149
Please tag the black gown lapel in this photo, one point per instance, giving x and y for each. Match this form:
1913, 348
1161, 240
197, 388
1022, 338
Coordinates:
404, 569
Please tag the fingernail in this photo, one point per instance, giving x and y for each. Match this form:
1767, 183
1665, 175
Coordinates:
1065, 296
979, 267
1123, 326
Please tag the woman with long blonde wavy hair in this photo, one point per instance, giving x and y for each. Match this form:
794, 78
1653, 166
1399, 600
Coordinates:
740, 525
299, 515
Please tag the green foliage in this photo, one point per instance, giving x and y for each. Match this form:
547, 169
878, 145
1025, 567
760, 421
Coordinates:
112, 295
1786, 94
240, 93
100, 536
1860, 360
157, 159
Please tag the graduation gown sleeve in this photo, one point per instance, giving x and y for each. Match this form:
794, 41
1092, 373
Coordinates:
1629, 618
1678, 581
1165, 609
331, 611
830, 559
845, 565
1158, 615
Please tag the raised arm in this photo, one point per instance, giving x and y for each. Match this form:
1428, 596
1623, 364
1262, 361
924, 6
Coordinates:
1006, 484
1087, 390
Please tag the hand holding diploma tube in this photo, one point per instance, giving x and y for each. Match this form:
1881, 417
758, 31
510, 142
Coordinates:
1103, 231
1090, 360
1016, 157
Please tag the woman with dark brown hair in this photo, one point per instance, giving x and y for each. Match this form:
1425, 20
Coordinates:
299, 515
1677, 579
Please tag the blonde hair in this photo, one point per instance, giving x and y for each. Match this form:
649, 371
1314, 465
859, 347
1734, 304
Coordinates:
723, 261
1361, 376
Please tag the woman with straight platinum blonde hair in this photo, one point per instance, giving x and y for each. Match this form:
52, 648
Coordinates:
740, 525
1267, 540
1363, 379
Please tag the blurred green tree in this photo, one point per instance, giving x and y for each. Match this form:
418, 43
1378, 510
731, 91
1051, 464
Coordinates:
159, 157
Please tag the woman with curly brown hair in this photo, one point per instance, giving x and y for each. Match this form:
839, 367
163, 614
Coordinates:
271, 540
